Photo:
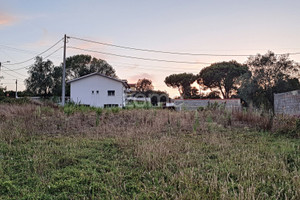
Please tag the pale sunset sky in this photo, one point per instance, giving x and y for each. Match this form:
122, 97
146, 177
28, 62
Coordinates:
28, 27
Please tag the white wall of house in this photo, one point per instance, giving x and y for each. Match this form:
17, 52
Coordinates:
93, 91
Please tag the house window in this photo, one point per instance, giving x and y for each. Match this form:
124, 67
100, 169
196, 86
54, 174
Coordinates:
111, 93
97, 91
110, 105
92, 91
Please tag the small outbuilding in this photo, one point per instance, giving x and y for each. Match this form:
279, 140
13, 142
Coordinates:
287, 103
98, 90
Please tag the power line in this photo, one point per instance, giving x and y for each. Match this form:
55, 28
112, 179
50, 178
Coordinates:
16, 49
7, 83
10, 74
13, 71
159, 69
150, 66
10, 79
139, 58
36, 55
170, 52
53, 52
31, 64
18, 68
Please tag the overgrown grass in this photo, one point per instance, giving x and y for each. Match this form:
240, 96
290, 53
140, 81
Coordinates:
141, 105
48, 153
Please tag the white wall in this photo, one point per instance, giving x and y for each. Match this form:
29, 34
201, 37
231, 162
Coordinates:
81, 91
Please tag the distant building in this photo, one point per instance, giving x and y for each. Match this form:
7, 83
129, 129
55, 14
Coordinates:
132, 87
98, 90
287, 103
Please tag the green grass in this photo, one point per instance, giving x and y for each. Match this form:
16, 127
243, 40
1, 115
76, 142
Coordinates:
78, 168
152, 154
64, 168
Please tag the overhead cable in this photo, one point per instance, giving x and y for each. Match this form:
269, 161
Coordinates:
171, 52
17, 63
139, 58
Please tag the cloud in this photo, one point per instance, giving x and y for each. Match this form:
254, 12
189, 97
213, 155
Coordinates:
6, 19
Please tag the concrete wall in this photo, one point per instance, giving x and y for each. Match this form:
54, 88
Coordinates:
287, 103
194, 104
81, 91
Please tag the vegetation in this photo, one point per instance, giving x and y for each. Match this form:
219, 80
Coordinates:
8, 100
80, 65
255, 82
48, 152
45, 79
144, 85
144, 88
40, 79
222, 76
183, 83
270, 74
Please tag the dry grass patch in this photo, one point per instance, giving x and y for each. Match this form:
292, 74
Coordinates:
51, 153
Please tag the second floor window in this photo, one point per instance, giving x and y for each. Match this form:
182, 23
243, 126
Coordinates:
111, 93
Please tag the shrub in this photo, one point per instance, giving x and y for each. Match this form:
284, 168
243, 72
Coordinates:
200, 108
258, 119
13, 100
286, 125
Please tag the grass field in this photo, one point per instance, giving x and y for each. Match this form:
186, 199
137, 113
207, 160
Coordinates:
82, 153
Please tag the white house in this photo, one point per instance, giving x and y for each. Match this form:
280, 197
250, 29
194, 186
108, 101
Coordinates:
98, 90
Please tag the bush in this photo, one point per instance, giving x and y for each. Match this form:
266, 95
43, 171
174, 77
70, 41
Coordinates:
286, 125
258, 119
13, 100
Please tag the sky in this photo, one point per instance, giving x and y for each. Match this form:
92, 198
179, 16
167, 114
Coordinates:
29, 27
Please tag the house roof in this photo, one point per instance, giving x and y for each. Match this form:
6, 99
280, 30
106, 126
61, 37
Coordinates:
99, 74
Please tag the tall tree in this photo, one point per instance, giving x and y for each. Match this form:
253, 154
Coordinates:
80, 65
40, 80
57, 80
144, 85
222, 76
101, 66
182, 82
269, 74
45, 79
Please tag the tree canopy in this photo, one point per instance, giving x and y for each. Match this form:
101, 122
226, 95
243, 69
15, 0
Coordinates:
222, 76
40, 81
46, 79
80, 65
144, 85
182, 82
268, 74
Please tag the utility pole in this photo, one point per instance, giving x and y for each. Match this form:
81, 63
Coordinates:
0, 70
64, 74
16, 88
1, 77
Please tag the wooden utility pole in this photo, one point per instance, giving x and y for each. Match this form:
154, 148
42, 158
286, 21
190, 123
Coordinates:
16, 88
0, 71
64, 74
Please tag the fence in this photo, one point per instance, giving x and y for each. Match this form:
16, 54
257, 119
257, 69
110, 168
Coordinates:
193, 104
